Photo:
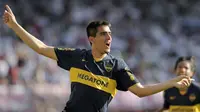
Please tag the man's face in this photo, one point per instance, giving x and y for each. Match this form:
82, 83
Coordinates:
184, 68
102, 41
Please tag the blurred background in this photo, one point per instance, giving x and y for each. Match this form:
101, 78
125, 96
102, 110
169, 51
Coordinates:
148, 34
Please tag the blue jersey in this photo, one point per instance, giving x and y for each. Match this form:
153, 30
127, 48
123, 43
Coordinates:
188, 102
93, 84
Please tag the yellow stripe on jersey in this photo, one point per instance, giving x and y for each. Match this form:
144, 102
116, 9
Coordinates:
195, 108
99, 82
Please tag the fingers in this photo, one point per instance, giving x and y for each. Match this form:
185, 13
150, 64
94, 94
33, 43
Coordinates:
186, 77
186, 82
9, 10
192, 79
6, 17
180, 77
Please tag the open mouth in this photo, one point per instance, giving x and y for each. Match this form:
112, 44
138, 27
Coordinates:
108, 44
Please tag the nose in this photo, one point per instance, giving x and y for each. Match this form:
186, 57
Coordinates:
108, 36
182, 69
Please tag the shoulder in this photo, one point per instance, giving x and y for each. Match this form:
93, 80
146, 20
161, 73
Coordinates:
82, 51
76, 50
79, 50
170, 90
112, 57
196, 85
119, 63
69, 52
116, 59
61, 49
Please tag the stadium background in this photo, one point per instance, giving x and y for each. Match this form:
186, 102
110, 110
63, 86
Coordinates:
148, 34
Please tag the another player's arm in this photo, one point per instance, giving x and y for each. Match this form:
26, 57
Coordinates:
26, 37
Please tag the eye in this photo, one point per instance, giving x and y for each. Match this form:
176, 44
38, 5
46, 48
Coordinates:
105, 33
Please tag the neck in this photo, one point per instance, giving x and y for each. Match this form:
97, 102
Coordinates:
97, 55
185, 89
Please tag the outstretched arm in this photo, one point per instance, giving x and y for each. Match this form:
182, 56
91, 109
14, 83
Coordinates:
34, 43
141, 91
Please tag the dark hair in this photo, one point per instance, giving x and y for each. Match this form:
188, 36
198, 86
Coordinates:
190, 59
92, 27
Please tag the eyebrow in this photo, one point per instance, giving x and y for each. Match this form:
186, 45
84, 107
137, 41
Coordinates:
104, 32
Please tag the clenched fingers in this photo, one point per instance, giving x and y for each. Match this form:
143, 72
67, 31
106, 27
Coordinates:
9, 9
186, 82
6, 16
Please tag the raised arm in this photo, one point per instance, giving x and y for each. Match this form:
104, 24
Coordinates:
34, 43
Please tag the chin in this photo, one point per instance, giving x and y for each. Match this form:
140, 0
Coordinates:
107, 51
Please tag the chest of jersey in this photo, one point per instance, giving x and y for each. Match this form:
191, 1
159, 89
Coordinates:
95, 74
188, 102
189, 98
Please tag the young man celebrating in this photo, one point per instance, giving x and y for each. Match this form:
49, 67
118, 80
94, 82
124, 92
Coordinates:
95, 74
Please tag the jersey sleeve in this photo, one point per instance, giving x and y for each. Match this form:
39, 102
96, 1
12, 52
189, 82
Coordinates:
67, 57
166, 103
124, 76
197, 89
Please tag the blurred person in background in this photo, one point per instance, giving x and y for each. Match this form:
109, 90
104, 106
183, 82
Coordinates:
4, 70
91, 92
187, 99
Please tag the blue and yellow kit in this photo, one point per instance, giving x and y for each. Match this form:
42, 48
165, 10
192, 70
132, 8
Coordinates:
93, 83
174, 101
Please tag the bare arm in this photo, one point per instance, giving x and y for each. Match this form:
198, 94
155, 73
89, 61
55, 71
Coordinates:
26, 37
34, 43
141, 91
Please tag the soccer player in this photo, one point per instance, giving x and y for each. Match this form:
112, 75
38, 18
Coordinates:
95, 74
185, 99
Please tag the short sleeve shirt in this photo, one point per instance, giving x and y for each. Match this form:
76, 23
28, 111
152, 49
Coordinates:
93, 84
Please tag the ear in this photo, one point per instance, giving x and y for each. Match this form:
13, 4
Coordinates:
91, 39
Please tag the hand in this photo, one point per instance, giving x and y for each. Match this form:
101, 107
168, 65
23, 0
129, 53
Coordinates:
182, 81
9, 17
